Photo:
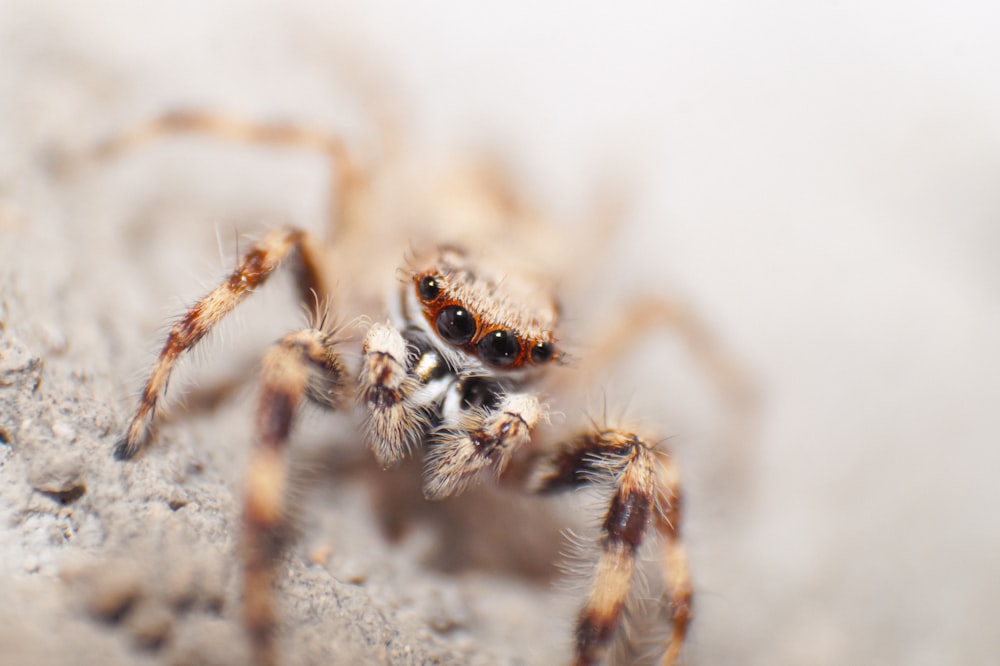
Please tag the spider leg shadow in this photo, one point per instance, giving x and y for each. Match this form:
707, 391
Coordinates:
489, 528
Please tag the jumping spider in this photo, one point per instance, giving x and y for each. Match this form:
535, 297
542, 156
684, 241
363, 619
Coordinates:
460, 374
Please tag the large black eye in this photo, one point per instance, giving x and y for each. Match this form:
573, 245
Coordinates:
456, 325
499, 348
541, 352
428, 289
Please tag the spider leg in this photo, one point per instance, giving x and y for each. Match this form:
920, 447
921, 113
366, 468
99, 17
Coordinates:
647, 315
302, 364
645, 493
347, 179
667, 521
484, 438
252, 270
395, 422
731, 381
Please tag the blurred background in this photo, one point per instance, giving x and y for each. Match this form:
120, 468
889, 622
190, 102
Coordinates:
818, 181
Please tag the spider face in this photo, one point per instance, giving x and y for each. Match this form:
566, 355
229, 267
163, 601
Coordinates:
505, 322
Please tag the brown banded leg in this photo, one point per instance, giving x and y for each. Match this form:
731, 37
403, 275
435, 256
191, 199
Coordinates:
637, 503
347, 179
253, 269
647, 315
302, 364
667, 521
484, 440
395, 425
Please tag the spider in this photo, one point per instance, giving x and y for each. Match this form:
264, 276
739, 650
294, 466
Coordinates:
461, 372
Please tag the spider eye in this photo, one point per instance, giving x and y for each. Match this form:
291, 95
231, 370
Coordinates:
456, 325
428, 289
499, 348
541, 352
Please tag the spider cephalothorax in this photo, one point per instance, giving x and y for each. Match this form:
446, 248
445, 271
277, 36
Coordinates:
505, 321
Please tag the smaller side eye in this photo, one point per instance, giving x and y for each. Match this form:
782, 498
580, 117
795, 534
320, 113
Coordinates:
428, 289
541, 352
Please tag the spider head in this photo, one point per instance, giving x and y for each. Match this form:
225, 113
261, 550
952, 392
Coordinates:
504, 320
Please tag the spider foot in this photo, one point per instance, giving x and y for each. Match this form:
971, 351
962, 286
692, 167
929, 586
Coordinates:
486, 440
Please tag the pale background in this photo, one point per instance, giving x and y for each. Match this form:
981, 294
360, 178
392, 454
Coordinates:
820, 180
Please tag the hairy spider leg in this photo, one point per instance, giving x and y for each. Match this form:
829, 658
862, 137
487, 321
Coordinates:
642, 497
302, 365
252, 270
347, 192
667, 521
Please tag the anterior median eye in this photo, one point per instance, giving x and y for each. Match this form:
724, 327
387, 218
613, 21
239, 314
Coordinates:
456, 325
499, 348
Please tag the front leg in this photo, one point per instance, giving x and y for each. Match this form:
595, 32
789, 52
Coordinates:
303, 365
645, 493
396, 423
484, 438
252, 271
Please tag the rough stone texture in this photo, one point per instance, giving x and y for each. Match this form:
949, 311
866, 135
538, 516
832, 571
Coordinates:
827, 199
